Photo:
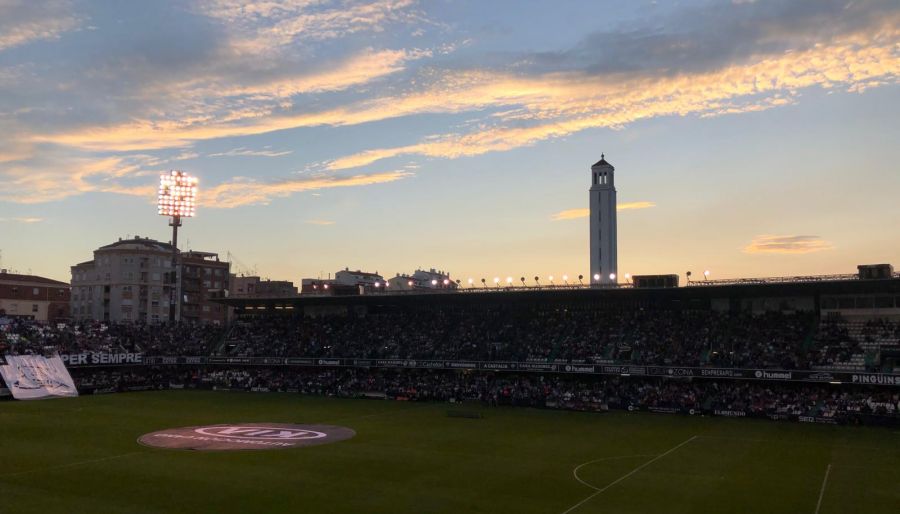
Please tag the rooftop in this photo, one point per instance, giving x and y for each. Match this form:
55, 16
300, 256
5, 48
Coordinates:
31, 279
138, 243
602, 162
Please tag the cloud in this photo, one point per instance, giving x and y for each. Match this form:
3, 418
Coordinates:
25, 21
246, 191
267, 26
634, 205
245, 152
243, 69
222, 104
547, 97
571, 214
540, 107
794, 245
558, 105
55, 177
319, 222
22, 220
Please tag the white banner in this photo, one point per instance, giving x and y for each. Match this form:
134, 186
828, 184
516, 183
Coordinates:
35, 376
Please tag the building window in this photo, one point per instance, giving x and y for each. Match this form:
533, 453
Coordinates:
34, 307
35, 291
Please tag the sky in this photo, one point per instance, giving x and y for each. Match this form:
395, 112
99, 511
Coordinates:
750, 138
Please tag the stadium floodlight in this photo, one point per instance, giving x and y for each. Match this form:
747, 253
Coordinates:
177, 194
176, 198
612, 276
597, 277
325, 286
509, 280
706, 274
410, 283
377, 284
470, 281
496, 280
434, 281
446, 282
550, 278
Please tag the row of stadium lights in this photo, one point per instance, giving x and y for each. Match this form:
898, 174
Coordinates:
509, 281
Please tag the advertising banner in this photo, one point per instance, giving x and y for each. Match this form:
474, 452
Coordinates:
35, 376
575, 367
101, 359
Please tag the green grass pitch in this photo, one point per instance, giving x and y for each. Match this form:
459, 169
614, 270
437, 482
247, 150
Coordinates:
81, 456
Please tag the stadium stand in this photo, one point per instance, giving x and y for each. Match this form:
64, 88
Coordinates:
665, 350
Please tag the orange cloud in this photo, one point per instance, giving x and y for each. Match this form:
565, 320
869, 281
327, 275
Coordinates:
557, 104
22, 220
244, 191
794, 245
21, 183
572, 214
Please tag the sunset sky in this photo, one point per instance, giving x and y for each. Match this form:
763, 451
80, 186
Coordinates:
750, 138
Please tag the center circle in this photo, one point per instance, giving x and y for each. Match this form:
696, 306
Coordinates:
246, 436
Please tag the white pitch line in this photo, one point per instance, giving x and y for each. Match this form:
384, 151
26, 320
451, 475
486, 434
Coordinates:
625, 476
822, 490
604, 459
70, 465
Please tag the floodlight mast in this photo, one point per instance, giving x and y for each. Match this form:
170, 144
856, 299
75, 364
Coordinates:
177, 194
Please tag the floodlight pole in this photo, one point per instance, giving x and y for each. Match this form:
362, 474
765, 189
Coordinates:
175, 222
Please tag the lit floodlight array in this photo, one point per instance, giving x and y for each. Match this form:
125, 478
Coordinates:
177, 194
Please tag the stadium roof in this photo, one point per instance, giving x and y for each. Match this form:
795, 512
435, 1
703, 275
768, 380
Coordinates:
626, 297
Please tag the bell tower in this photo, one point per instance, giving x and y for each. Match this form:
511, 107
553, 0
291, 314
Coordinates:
603, 224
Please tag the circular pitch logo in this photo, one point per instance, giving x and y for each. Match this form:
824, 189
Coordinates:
246, 436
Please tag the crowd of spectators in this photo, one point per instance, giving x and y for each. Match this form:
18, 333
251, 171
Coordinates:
742, 398
22, 337
647, 337
662, 337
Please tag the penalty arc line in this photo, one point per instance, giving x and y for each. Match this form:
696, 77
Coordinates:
604, 459
822, 490
625, 476
70, 465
